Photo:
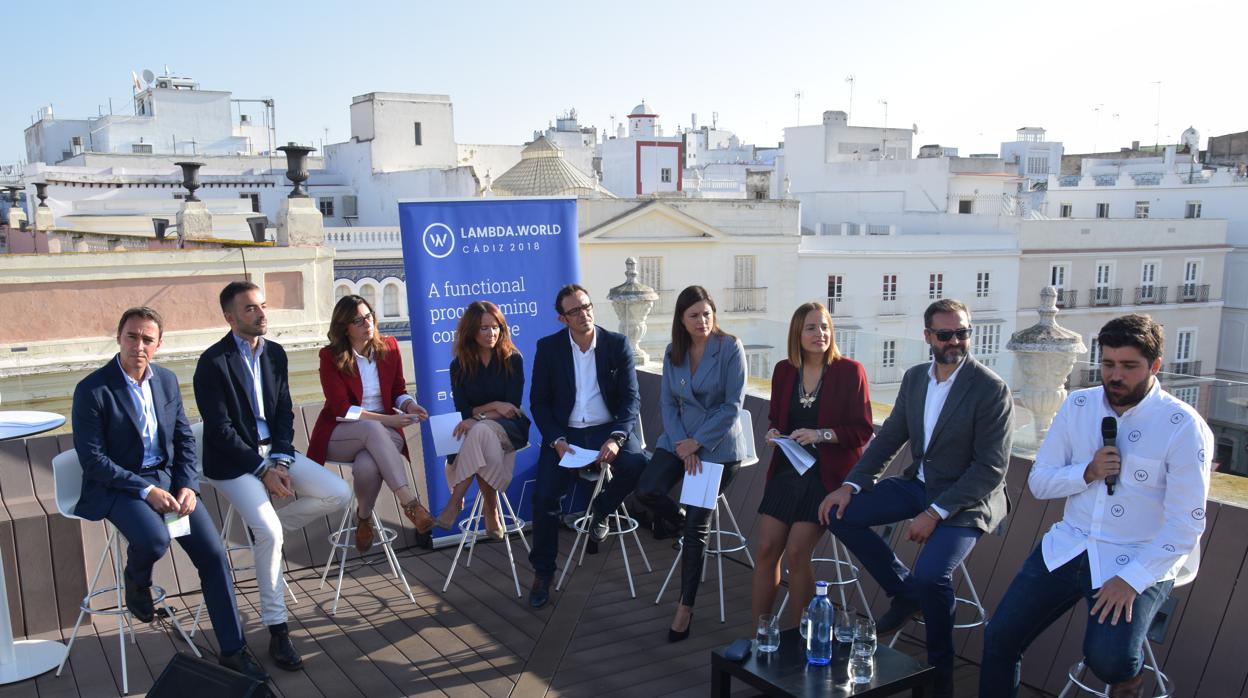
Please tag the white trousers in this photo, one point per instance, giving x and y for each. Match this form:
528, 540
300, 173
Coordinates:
320, 493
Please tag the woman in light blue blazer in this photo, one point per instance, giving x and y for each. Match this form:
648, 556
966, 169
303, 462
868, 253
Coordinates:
702, 391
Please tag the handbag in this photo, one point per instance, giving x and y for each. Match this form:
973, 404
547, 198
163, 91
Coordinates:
517, 429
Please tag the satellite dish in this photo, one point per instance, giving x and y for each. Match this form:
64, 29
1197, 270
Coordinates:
148, 76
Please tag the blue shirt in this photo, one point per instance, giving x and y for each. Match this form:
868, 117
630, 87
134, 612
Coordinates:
140, 392
256, 392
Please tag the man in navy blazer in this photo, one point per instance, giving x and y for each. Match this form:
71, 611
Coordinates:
584, 394
138, 464
243, 394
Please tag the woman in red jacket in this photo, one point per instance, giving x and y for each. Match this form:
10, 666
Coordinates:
363, 368
819, 399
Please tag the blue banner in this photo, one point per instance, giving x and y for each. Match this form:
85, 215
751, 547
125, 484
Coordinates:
513, 252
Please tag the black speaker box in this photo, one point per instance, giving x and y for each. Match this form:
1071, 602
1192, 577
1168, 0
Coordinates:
188, 677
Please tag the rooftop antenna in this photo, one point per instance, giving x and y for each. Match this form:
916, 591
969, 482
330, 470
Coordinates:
849, 114
149, 77
1096, 131
798, 96
1157, 124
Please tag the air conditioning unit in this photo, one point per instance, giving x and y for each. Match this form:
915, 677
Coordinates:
350, 206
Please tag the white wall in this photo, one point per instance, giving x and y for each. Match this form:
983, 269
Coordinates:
387, 121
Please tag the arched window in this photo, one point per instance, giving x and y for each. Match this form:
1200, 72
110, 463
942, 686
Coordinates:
390, 301
369, 292
341, 290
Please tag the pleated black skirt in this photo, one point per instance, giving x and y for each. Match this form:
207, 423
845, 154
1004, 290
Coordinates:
791, 498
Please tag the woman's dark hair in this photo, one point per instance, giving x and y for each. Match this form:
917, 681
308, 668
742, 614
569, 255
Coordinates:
681, 341
340, 342
466, 347
1137, 331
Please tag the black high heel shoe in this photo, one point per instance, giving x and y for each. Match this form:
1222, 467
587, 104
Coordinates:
677, 636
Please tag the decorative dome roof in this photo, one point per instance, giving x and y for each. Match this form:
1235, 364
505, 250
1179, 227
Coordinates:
642, 109
542, 171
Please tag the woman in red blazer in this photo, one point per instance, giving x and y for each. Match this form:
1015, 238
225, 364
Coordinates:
819, 399
363, 368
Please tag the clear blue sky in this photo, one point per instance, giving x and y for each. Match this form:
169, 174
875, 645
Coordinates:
967, 73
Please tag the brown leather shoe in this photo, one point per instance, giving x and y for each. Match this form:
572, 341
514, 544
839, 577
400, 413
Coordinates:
419, 516
1131, 688
363, 534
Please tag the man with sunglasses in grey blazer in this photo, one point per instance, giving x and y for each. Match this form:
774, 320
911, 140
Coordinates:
956, 414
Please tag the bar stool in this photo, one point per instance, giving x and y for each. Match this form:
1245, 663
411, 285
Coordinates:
473, 526
67, 482
341, 540
249, 544
737, 542
619, 524
980, 613
1163, 688
847, 573
227, 521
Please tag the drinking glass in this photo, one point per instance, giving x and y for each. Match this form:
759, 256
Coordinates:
860, 668
864, 636
802, 626
844, 624
768, 633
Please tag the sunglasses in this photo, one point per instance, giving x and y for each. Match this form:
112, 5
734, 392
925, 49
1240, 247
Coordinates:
945, 335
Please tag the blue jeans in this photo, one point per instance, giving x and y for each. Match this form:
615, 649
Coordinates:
930, 584
1038, 597
552, 484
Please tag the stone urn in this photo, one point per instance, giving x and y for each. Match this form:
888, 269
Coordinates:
632, 301
297, 168
1046, 353
190, 178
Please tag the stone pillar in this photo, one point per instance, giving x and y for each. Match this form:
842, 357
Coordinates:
194, 221
632, 301
1046, 353
299, 221
17, 216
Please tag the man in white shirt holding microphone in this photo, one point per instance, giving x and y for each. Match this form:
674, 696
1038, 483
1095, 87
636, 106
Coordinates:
1133, 463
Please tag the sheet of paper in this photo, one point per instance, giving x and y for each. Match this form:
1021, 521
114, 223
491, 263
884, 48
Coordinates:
578, 457
702, 490
178, 525
444, 444
353, 414
798, 456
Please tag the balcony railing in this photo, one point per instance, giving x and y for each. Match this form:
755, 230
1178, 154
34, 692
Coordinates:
1091, 376
892, 306
985, 302
1068, 181
1104, 297
1067, 298
1106, 180
1194, 293
840, 307
1150, 295
666, 302
1186, 368
746, 300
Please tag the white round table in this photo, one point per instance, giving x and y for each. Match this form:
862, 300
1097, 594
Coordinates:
23, 659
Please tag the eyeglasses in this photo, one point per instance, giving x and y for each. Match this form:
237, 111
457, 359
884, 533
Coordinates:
961, 333
359, 321
579, 310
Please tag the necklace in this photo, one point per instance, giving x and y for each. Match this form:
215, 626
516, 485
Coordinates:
808, 399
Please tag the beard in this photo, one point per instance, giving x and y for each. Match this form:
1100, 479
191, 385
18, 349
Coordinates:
1132, 396
949, 356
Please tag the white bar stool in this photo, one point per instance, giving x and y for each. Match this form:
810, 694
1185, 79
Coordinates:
472, 527
340, 542
67, 480
738, 542
979, 618
619, 524
847, 573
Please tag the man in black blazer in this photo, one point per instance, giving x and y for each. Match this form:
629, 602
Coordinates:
243, 395
583, 394
138, 464
956, 415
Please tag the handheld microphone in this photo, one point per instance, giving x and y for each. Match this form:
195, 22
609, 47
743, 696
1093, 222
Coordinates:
1109, 432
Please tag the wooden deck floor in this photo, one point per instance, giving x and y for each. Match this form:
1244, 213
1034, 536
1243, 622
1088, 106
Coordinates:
477, 639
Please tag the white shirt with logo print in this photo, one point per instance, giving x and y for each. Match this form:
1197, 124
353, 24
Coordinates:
1145, 531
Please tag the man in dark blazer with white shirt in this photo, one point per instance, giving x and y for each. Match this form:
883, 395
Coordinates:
583, 394
956, 415
138, 463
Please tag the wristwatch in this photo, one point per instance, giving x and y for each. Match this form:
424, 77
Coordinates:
826, 435
620, 439
480, 416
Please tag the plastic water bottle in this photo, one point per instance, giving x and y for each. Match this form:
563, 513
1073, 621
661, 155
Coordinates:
819, 631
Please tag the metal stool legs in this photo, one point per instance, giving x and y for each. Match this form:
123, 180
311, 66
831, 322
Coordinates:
981, 614
227, 521
340, 541
113, 549
619, 524
1162, 689
471, 528
846, 573
737, 543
